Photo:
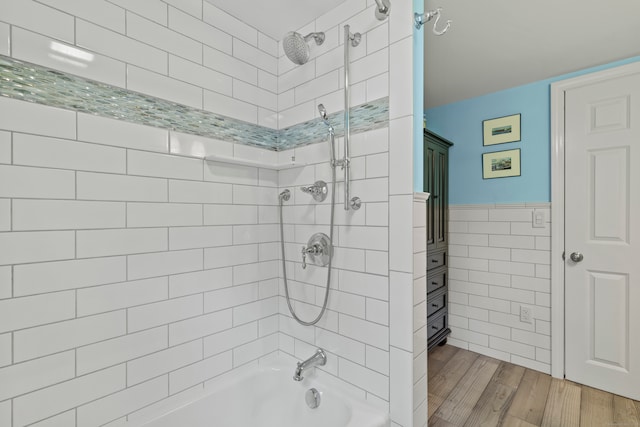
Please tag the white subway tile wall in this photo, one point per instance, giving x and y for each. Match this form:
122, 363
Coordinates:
417, 370
359, 324
164, 49
132, 273
499, 263
105, 298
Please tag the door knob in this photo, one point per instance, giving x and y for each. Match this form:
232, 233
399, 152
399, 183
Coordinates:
576, 257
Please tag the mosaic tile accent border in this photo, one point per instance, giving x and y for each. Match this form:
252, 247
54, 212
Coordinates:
364, 117
41, 85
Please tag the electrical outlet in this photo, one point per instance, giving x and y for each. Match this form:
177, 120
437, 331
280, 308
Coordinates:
539, 219
525, 314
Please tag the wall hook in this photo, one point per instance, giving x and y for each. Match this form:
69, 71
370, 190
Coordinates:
421, 18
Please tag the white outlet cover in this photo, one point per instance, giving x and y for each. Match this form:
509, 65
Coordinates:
539, 219
525, 314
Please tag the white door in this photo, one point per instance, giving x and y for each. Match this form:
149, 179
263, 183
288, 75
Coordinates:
602, 233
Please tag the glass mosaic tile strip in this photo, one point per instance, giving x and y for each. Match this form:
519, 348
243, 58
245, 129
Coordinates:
364, 117
34, 83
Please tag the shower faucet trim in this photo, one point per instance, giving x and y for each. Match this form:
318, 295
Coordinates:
318, 190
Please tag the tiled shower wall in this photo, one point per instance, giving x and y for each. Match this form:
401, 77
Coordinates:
127, 275
189, 52
130, 273
499, 262
369, 327
355, 329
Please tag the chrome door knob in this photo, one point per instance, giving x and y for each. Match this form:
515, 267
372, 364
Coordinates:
576, 257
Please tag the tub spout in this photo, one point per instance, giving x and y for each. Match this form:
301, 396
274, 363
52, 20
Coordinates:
319, 358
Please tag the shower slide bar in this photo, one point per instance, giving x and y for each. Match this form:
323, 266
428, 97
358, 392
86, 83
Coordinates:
345, 163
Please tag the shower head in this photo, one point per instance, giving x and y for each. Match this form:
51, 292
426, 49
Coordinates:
296, 47
323, 116
323, 113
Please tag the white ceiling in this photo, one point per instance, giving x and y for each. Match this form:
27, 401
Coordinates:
276, 18
498, 44
492, 44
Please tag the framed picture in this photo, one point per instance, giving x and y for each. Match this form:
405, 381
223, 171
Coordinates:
501, 130
501, 164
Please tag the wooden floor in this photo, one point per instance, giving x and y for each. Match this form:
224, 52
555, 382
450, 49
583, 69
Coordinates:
468, 389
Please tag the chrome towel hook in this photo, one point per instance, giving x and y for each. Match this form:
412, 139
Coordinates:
421, 18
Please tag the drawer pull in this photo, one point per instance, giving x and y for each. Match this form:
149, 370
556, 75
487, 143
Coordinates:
434, 327
434, 283
435, 261
435, 305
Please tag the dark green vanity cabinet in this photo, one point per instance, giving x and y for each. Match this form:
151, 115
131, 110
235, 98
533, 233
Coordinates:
436, 182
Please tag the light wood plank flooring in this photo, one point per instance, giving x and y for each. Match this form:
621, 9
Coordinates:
468, 389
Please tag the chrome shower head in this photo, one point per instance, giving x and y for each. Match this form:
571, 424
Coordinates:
296, 47
332, 148
323, 112
323, 115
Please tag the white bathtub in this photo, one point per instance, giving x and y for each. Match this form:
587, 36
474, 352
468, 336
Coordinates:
269, 397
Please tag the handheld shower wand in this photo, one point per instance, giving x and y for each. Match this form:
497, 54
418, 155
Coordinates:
323, 116
344, 163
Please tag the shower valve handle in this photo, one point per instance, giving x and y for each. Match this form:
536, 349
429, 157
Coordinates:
304, 257
312, 250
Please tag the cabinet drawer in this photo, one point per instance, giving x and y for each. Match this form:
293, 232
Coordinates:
437, 324
436, 302
436, 260
436, 280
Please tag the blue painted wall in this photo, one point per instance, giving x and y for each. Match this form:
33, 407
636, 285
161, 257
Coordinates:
461, 122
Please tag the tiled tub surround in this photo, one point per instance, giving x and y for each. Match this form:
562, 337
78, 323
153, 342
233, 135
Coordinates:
185, 250
126, 276
189, 53
498, 262
131, 276
34, 83
355, 329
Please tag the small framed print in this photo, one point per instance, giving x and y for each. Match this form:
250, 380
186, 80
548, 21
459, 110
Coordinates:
501, 130
501, 164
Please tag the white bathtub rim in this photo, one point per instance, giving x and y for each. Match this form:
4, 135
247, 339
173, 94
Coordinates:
276, 362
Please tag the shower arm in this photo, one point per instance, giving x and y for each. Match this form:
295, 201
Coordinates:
317, 37
383, 9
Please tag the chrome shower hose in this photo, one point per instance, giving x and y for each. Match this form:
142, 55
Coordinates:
284, 266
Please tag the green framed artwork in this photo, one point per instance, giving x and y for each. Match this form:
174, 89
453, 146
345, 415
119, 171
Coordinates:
501, 130
501, 164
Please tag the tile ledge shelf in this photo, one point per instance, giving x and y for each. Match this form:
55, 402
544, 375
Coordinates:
41, 85
253, 163
420, 196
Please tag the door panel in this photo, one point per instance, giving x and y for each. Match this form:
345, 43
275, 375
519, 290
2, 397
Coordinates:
429, 186
602, 221
439, 201
609, 311
609, 180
